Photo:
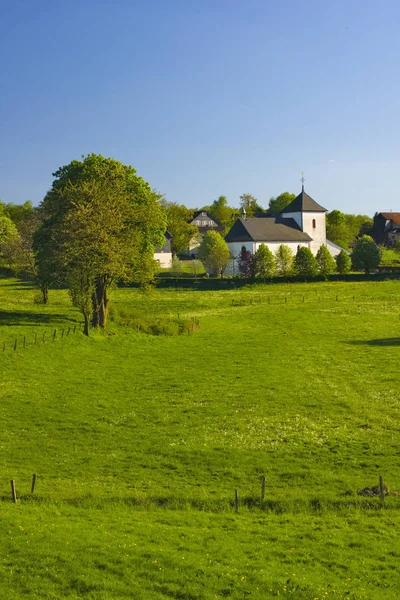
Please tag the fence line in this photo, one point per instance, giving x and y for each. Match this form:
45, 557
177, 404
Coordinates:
24, 342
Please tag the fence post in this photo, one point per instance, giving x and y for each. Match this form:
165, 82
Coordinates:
54, 334
33, 483
15, 345
35, 339
381, 490
236, 501
13, 492
263, 487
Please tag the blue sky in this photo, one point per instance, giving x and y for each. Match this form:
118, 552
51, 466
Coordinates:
206, 97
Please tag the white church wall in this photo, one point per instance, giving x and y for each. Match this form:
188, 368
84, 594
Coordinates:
314, 225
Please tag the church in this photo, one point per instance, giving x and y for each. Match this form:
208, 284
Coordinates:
301, 223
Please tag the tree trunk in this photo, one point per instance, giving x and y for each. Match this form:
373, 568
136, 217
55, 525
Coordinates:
45, 292
86, 324
103, 309
96, 315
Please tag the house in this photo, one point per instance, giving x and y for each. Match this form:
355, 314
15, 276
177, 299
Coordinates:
164, 255
302, 223
386, 228
204, 222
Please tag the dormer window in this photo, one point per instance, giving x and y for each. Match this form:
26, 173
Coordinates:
314, 224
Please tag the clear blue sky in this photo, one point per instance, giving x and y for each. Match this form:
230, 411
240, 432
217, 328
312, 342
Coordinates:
206, 97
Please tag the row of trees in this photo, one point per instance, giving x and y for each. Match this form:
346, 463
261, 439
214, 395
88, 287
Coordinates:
215, 255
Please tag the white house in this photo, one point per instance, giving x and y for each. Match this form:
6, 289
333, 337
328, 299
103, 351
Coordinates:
302, 223
164, 255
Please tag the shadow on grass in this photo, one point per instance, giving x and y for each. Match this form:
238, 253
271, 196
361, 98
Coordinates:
380, 342
21, 317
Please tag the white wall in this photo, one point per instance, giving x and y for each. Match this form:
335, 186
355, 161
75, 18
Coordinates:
164, 259
317, 233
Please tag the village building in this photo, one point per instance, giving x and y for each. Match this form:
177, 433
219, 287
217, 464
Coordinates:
301, 223
164, 255
386, 228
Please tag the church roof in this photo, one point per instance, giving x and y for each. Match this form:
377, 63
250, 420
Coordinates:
303, 203
266, 229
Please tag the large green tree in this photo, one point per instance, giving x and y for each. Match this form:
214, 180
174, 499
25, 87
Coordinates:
343, 262
284, 260
305, 263
325, 261
265, 262
214, 253
114, 191
366, 255
276, 205
223, 213
250, 205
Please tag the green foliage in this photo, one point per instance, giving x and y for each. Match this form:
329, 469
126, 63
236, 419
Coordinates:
325, 261
249, 203
343, 263
305, 264
214, 253
177, 224
224, 214
265, 262
366, 254
284, 260
343, 229
176, 266
276, 205
101, 223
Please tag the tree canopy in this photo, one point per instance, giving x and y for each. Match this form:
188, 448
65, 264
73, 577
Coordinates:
277, 204
250, 205
103, 204
214, 253
366, 255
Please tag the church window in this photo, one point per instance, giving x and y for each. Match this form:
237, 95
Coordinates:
314, 224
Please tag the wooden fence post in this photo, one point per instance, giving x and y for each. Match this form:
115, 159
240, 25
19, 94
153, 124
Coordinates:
263, 487
236, 501
381, 490
13, 492
54, 334
15, 344
35, 339
33, 483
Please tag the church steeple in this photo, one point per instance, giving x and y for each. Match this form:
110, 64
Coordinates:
302, 181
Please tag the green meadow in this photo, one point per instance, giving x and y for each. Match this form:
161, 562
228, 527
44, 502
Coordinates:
139, 442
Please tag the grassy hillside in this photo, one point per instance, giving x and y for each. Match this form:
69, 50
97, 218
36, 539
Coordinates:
139, 442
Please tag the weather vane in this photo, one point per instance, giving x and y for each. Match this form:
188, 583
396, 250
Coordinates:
302, 178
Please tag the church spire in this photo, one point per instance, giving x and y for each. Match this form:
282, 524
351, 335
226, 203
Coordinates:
302, 181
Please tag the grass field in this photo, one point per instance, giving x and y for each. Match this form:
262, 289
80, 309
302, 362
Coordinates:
139, 442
